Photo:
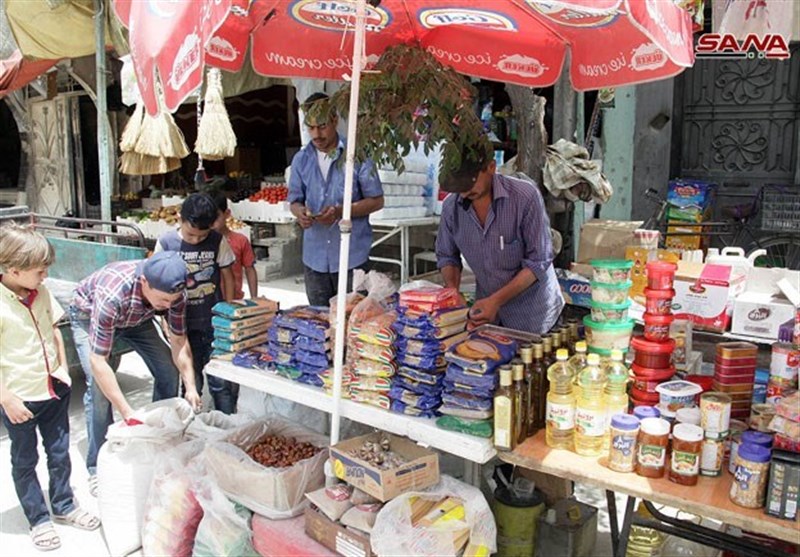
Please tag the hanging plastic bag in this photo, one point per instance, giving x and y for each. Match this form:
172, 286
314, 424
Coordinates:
172, 512
125, 469
225, 527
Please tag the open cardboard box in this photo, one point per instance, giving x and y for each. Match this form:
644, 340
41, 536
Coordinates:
421, 469
705, 294
334, 536
605, 239
763, 307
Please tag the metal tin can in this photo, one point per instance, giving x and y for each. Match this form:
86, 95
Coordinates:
785, 361
760, 417
711, 454
715, 412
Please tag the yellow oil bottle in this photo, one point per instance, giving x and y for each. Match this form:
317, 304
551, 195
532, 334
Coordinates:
576, 364
617, 377
590, 409
560, 425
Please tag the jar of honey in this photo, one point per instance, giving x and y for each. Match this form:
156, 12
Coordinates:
651, 450
687, 440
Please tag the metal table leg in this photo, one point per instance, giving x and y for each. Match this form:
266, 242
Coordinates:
622, 545
612, 519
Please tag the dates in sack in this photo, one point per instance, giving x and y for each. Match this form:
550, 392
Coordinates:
276, 451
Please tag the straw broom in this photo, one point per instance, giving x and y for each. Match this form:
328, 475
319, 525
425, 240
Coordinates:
132, 128
160, 136
215, 137
136, 164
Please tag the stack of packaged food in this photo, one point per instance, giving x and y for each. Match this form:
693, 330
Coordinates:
429, 321
241, 324
609, 327
372, 358
299, 342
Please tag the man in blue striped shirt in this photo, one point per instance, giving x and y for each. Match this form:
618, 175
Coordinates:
500, 226
316, 194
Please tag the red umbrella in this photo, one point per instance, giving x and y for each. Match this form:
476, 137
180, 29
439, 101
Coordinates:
612, 42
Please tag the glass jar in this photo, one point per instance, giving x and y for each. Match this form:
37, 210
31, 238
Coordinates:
686, 446
622, 451
651, 451
749, 484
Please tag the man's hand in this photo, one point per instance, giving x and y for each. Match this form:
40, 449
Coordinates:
15, 409
304, 220
482, 312
329, 215
193, 398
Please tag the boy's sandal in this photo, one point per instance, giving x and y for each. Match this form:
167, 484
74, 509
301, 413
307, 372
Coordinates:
79, 518
94, 484
44, 537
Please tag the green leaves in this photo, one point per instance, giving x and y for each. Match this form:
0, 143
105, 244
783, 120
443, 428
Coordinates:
410, 99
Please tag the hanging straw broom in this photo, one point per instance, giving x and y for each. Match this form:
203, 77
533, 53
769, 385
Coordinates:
130, 134
160, 136
215, 137
136, 164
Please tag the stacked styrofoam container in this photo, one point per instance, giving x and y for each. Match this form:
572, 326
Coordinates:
261, 211
412, 193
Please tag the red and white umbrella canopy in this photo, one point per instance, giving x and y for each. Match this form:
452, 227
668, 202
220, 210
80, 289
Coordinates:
612, 42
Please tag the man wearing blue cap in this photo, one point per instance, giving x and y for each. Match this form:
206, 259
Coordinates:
119, 302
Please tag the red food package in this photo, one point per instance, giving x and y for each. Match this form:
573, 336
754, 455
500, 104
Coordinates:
785, 443
429, 299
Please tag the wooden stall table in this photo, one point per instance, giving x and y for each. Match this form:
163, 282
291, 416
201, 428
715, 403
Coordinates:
709, 499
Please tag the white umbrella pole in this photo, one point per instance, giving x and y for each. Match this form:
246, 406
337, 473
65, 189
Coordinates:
345, 225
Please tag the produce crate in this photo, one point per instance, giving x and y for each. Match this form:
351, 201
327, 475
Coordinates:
780, 209
261, 211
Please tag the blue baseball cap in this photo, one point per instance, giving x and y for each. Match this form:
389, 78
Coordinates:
165, 272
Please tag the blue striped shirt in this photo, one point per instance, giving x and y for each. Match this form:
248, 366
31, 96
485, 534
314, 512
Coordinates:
517, 215
307, 186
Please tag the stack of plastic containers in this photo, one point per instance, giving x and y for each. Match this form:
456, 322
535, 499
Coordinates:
734, 375
609, 328
652, 363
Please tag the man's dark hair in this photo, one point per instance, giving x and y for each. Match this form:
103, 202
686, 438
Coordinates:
318, 107
221, 200
474, 159
199, 210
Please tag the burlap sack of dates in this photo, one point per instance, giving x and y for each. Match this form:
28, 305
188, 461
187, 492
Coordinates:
274, 491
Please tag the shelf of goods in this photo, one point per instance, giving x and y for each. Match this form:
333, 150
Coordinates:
261, 211
709, 498
421, 430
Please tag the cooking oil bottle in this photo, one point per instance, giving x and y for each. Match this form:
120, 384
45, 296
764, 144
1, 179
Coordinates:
643, 541
576, 364
560, 426
617, 377
521, 400
590, 409
505, 400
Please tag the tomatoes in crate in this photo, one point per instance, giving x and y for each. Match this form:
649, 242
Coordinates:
271, 194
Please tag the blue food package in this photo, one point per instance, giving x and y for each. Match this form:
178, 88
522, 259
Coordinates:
577, 290
254, 359
421, 362
282, 357
282, 335
230, 324
451, 410
289, 372
483, 351
457, 374
418, 387
464, 400
309, 369
460, 388
428, 332
408, 410
441, 318
427, 347
434, 377
312, 358
239, 309
424, 402
313, 345
306, 320
310, 379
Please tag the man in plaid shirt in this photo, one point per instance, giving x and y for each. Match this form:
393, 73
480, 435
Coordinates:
118, 302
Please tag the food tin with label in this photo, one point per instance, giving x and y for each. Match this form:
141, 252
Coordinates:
760, 417
736, 350
715, 412
685, 460
783, 488
750, 477
785, 361
712, 453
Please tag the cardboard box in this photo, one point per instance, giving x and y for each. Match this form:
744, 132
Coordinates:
420, 471
763, 308
336, 537
576, 288
605, 239
685, 242
640, 256
705, 294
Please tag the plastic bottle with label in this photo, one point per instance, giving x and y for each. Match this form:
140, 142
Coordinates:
576, 364
590, 409
616, 386
560, 427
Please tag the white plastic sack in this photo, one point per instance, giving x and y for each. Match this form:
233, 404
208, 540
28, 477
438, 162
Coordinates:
393, 534
272, 492
225, 527
125, 469
172, 512
214, 425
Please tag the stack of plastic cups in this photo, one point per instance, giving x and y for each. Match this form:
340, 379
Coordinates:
652, 363
609, 327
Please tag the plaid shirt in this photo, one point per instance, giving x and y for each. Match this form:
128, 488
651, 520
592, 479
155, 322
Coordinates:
516, 236
112, 298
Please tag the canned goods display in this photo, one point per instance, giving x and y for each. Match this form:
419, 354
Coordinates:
715, 412
785, 362
760, 417
711, 453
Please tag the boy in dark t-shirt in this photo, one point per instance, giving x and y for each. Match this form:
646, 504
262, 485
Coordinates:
208, 258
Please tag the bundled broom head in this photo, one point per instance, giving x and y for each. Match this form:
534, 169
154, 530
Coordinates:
215, 137
136, 164
160, 137
131, 132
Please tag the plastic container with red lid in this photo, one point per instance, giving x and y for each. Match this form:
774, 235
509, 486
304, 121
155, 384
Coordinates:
656, 327
659, 302
660, 275
736, 350
652, 374
652, 355
638, 393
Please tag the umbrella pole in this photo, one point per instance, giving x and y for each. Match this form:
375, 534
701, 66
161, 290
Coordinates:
103, 147
345, 225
